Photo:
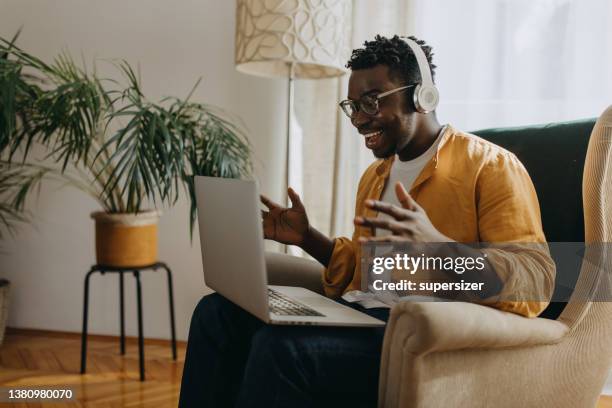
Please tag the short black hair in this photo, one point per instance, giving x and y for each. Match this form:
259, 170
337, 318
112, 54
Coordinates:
396, 54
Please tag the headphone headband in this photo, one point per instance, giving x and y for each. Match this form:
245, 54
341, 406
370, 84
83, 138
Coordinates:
424, 68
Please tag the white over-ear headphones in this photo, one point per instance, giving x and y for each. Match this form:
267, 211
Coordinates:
426, 96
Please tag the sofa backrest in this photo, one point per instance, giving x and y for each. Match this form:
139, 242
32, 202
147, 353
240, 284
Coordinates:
554, 156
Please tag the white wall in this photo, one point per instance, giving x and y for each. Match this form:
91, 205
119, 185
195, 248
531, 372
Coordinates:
174, 43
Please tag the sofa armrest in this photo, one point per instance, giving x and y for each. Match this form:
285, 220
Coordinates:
425, 327
287, 270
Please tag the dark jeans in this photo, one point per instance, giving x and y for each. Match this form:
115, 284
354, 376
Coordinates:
234, 359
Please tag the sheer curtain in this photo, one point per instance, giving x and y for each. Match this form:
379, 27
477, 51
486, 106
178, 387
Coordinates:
500, 63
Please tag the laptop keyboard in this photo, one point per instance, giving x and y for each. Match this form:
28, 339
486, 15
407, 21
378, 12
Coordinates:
283, 305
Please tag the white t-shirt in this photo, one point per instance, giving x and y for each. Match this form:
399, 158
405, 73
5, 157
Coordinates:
405, 172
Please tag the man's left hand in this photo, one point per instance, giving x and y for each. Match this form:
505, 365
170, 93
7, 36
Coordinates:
409, 224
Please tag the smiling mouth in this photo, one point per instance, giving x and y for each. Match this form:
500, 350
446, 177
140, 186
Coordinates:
372, 140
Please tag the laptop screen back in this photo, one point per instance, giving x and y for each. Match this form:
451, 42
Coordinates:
231, 239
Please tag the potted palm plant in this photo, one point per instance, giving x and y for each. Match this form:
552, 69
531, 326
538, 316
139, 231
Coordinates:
104, 137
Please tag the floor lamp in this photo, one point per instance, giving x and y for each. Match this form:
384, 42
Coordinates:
292, 39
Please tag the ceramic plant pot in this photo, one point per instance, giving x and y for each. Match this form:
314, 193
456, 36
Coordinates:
126, 239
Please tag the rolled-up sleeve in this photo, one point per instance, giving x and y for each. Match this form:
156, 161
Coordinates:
527, 272
341, 268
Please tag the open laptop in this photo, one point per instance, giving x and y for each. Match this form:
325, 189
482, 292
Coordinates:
231, 238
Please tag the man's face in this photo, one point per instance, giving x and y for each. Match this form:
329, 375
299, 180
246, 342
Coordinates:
392, 129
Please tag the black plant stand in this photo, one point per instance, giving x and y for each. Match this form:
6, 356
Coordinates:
136, 272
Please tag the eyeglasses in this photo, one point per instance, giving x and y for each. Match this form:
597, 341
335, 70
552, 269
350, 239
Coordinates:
368, 104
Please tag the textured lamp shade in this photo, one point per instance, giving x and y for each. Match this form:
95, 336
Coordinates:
310, 35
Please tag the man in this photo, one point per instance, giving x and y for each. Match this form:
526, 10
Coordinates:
461, 189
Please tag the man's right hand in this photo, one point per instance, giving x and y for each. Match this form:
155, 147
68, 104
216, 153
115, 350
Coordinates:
285, 225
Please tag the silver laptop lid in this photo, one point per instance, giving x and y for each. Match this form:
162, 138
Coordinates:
231, 239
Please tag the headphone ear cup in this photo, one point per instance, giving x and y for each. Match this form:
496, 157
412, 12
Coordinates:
426, 98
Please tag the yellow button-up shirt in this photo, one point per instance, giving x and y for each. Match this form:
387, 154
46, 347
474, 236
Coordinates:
472, 191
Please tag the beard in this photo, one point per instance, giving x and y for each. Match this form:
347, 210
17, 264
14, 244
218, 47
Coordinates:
385, 152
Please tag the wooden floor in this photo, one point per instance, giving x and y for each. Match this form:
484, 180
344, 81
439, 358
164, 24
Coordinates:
37, 359
44, 359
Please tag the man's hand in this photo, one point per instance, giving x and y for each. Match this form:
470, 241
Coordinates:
409, 224
285, 225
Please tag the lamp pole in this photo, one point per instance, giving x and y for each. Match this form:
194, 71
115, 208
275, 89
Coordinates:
290, 92
290, 102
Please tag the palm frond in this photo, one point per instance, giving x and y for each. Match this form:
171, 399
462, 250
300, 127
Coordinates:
106, 138
16, 183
